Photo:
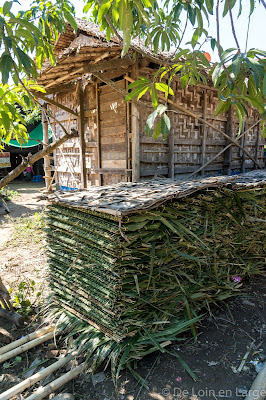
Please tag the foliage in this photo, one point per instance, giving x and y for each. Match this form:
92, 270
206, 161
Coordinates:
27, 230
240, 74
25, 297
13, 363
8, 194
22, 36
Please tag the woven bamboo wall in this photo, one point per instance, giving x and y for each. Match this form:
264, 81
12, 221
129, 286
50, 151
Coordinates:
195, 143
108, 137
67, 158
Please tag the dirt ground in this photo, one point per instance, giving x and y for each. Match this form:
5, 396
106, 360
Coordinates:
231, 339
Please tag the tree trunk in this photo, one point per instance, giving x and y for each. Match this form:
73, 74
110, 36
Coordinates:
37, 156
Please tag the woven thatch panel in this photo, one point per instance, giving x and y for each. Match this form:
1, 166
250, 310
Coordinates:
172, 248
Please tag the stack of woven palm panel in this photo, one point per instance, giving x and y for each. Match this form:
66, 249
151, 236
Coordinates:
142, 269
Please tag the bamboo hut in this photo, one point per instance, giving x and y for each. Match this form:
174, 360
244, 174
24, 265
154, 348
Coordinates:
86, 90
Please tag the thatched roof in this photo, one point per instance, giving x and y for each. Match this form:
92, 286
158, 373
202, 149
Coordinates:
127, 198
89, 45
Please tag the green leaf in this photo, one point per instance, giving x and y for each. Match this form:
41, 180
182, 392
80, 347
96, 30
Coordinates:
6, 7
22, 22
6, 120
264, 84
69, 17
209, 5
236, 65
154, 96
223, 106
142, 12
164, 88
157, 130
150, 122
156, 41
126, 19
165, 126
2, 22
104, 9
25, 60
6, 66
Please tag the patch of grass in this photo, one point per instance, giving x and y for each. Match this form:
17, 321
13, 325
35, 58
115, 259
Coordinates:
26, 296
27, 230
8, 194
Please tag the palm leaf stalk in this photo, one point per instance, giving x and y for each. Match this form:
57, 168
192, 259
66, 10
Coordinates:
120, 300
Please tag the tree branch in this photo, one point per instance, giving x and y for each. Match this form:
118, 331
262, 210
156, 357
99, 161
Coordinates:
263, 3
218, 28
232, 25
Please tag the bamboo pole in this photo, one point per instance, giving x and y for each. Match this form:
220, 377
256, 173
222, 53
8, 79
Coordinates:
27, 338
55, 103
20, 387
204, 122
57, 383
26, 346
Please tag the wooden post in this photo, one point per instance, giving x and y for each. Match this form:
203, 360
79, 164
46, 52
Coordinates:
127, 136
98, 132
171, 151
257, 146
204, 131
83, 170
228, 153
243, 155
47, 168
135, 133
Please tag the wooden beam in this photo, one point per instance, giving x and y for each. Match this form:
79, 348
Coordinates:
83, 171
55, 103
91, 68
60, 89
228, 153
98, 139
111, 171
204, 130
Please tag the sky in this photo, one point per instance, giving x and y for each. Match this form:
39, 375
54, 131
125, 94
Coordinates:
257, 32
